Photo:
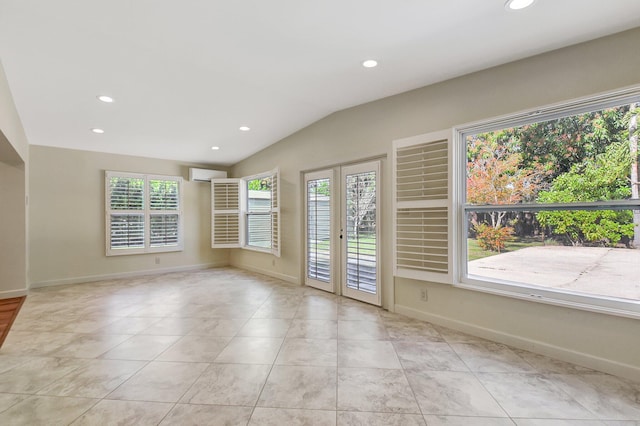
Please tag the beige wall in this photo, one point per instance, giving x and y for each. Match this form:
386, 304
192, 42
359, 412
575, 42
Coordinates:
13, 229
67, 219
10, 123
14, 163
605, 342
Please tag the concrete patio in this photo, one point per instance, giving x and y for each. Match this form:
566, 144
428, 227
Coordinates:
609, 272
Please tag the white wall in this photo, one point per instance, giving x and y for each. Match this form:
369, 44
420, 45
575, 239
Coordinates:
601, 341
67, 218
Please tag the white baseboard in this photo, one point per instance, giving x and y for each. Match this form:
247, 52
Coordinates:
288, 278
119, 275
12, 293
553, 351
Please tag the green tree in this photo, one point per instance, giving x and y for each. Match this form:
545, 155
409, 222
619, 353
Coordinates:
606, 177
633, 151
556, 145
126, 193
320, 186
263, 184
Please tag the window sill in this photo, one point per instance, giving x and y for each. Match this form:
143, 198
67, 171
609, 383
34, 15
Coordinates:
601, 305
126, 252
257, 249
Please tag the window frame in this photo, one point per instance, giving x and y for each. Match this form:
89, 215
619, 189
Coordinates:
559, 297
146, 213
242, 213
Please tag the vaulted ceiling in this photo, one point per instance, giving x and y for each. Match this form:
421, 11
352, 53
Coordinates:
186, 75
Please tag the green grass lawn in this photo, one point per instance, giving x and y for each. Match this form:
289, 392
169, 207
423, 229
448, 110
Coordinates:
364, 245
367, 245
475, 252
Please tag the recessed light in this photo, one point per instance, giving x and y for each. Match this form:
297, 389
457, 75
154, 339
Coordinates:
370, 63
215, 148
518, 4
105, 98
96, 130
245, 128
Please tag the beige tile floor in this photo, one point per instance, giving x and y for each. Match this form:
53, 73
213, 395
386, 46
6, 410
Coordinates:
227, 347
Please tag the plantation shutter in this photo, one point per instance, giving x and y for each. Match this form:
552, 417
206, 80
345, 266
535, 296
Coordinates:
125, 212
275, 212
164, 223
226, 230
143, 213
421, 194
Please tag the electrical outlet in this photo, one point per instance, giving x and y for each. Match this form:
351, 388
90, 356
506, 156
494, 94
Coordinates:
424, 296
157, 260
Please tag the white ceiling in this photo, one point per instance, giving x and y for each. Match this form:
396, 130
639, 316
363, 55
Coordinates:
187, 74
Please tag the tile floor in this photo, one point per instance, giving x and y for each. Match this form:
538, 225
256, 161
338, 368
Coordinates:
227, 347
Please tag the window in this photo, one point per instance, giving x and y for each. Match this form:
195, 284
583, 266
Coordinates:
549, 205
258, 212
246, 213
143, 213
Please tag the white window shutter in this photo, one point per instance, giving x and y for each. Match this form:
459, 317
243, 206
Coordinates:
423, 216
275, 212
165, 217
226, 229
143, 213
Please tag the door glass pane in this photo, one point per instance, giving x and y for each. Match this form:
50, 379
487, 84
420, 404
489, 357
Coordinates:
318, 229
360, 231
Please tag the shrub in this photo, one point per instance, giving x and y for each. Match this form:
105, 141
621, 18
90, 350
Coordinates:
493, 239
603, 227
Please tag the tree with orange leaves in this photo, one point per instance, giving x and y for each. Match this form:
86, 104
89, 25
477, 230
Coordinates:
495, 175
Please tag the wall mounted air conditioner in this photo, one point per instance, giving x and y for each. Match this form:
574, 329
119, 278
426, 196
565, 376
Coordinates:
205, 175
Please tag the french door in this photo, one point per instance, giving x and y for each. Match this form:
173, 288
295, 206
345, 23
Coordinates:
342, 233
320, 246
360, 234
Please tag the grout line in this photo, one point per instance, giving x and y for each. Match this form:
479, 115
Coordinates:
161, 290
253, 409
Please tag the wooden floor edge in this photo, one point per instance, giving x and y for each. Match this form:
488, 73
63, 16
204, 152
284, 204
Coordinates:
10, 308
